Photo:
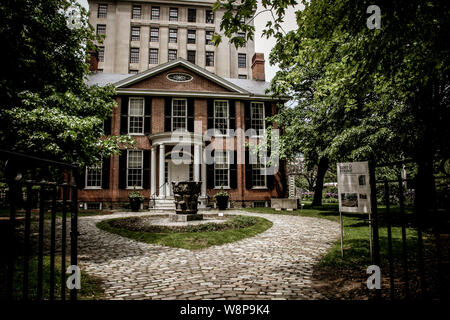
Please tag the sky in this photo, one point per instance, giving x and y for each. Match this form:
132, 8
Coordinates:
262, 44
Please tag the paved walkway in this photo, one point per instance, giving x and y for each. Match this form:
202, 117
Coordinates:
276, 264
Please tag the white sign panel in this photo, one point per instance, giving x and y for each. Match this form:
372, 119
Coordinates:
354, 187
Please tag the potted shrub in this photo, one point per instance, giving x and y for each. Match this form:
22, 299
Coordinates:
135, 200
222, 199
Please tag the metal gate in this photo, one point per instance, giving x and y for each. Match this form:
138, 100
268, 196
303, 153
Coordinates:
418, 265
39, 226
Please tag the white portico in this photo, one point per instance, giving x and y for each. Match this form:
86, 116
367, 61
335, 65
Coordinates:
175, 156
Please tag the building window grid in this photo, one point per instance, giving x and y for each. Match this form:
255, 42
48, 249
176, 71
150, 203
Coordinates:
242, 76
94, 176
259, 174
192, 15
209, 58
242, 60
135, 33
102, 11
155, 13
154, 34
179, 114
134, 168
208, 37
173, 35
153, 56
101, 54
221, 169
101, 29
209, 18
132, 71
191, 36
257, 117
134, 55
173, 14
136, 13
136, 116
191, 56
221, 116
172, 55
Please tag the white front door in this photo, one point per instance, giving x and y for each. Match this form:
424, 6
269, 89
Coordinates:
177, 172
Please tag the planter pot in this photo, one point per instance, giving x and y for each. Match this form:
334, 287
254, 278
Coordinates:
135, 204
222, 202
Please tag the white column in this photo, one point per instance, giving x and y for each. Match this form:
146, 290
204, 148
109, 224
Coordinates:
162, 158
203, 172
153, 171
197, 162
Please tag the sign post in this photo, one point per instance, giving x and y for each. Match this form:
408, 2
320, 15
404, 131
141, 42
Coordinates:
354, 192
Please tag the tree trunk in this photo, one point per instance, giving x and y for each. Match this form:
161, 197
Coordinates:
321, 171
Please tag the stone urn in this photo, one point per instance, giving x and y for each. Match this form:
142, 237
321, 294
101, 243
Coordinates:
186, 196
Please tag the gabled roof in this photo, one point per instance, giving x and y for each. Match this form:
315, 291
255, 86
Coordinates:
175, 63
242, 88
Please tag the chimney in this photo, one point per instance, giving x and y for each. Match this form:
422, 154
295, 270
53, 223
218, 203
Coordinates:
258, 67
93, 61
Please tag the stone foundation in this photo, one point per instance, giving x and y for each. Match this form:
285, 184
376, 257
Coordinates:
184, 217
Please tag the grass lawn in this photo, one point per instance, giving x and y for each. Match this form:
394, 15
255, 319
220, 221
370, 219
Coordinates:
243, 227
90, 286
352, 267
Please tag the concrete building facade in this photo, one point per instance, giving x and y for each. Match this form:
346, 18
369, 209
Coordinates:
140, 35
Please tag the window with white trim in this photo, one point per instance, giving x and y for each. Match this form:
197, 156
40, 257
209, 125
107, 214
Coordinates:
173, 35
136, 116
257, 117
179, 114
153, 56
259, 174
221, 169
136, 13
135, 33
102, 10
191, 36
154, 34
173, 14
134, 168
242, 60
94, 176
155, 13
221, 116
172, 54
134, 55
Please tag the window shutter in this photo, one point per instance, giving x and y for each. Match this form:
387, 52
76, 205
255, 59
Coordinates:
146, 171
167, 114
123, 169
247, 115
233, 171
248, 171
148, 115
190, 115
105, 173
124, 115
268, 110
210, 173
82, 179
210, 110
107, 126
232, 111
270, 181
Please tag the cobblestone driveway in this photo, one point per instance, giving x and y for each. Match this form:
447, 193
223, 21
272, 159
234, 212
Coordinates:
276, 264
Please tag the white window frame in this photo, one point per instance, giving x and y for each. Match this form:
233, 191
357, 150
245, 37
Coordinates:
100, 167
189, 33
134, 33
263, 165
143, 116
142, 170
153, 30
258, 134
227, 132
227, 156
186, 114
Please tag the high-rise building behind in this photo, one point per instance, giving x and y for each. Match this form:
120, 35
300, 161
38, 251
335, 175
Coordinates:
142, 34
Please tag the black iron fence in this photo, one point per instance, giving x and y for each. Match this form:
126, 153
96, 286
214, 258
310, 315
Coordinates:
417, 258
38, 225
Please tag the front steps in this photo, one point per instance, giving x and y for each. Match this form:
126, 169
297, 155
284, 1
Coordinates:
169, 204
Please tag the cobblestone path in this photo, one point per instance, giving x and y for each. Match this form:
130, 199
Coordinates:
276, 264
